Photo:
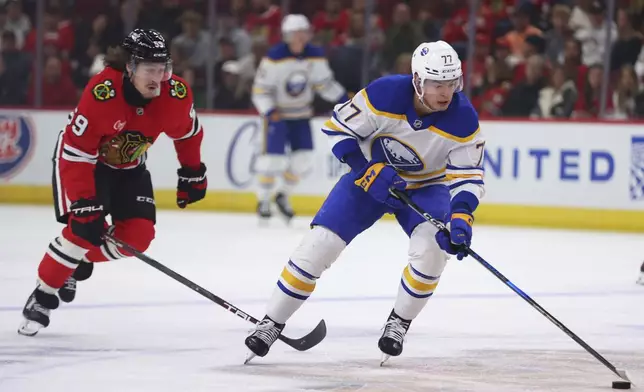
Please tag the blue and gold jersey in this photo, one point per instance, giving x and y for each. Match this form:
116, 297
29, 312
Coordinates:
287, 83
444, 147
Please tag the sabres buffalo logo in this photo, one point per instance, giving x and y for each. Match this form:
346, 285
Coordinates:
104, 90
125, 147
178, 89
396, 153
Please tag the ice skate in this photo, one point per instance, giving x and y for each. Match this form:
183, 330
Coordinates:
36, 312
284, 206
640, 280
67, 293
264, 211
262, 338
393, 336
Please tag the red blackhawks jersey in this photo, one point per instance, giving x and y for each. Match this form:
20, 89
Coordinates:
105, 128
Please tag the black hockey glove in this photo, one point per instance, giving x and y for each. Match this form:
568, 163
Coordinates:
192, 185
87, 220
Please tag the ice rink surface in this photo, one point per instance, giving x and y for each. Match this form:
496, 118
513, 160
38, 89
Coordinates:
131, 328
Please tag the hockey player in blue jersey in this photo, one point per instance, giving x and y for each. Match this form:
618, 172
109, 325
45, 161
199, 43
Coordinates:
283, 92
417, 133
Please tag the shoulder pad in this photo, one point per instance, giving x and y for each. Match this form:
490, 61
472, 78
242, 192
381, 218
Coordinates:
279, 52
313, 51
390, 95
460, 122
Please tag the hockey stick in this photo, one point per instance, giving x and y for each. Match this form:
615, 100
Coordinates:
440, 226
302, 344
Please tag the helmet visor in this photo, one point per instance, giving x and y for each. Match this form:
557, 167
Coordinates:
435, 87
154, 71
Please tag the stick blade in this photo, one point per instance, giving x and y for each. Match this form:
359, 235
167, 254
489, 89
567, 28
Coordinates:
308, 341
622, 373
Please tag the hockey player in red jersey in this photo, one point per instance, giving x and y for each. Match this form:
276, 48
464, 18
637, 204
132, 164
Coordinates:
99, 167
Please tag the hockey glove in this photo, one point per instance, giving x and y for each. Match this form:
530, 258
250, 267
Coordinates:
192, 185
376, 179
87, 221
459, 236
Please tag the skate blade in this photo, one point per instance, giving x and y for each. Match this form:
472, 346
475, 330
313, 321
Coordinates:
385, 358
29, 328
249, 356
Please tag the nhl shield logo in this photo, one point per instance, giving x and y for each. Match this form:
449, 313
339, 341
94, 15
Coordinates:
637, 168
17, 138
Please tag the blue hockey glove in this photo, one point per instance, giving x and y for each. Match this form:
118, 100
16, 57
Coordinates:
376, 179
459, 236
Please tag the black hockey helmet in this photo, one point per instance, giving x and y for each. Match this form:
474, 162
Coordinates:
146, 45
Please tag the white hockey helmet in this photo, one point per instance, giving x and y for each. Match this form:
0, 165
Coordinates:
295, 22
436, 64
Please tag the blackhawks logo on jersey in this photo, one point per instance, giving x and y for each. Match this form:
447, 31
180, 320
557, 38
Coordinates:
178, 89
104, 91
125, 147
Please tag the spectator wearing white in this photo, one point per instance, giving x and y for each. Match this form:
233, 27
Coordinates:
557, 100
593, 39
17, 22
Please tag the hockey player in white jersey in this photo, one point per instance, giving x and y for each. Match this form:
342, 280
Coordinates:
417, 133
283, 92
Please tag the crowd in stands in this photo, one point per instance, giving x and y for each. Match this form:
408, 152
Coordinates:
532, 58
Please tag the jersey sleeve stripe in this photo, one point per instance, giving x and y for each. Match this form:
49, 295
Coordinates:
452, 177
452, 137
77, 152
196, 128
461, 183
72, 154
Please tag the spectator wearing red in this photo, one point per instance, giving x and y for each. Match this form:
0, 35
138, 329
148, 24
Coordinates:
325, 23
57, 33
588, 103
58, 89
573, 66
265, 20
481, 53
457, 26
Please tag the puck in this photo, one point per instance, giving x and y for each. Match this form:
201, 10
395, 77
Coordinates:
621, 385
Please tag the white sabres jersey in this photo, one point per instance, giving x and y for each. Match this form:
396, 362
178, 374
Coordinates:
440, 148
287, 83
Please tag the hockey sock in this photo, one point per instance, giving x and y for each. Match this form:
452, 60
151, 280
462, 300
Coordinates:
414, 290
290, 182
59, 262
293, 288
266, 185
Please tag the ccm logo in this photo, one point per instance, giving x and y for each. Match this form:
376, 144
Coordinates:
145, 199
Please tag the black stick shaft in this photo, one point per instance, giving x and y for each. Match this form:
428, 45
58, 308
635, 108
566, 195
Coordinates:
299, 344
440, 226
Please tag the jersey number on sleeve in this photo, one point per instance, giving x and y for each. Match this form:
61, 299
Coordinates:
78, 122
354, 113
